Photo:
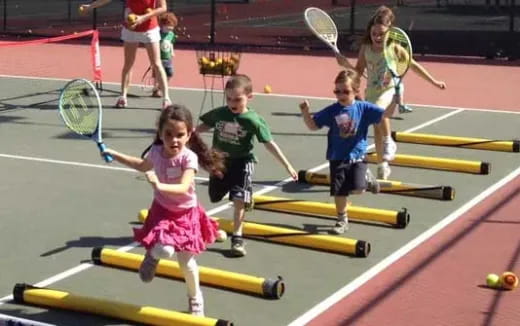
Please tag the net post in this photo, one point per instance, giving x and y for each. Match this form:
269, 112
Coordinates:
94, 18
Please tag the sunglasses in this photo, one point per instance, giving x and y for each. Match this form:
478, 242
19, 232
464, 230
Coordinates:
339, 91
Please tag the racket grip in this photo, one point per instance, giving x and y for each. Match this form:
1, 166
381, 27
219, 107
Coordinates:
107, 157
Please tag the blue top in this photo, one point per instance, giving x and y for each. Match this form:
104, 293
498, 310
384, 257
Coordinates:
348, 128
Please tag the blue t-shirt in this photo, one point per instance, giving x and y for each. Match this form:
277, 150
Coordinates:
348, 128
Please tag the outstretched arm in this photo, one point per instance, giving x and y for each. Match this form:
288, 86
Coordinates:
273, 148
133, 162
360, 64
421, 71
307, 118
84, 9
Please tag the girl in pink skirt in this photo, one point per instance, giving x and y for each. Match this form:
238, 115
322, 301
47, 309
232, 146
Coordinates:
176, 222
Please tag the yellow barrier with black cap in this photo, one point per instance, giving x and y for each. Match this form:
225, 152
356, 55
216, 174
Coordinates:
24, 293
388, 186
268, 288
451, 141
337, 244
279, 204
436, 163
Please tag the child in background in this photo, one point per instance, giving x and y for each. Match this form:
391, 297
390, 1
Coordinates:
176, 222
235, 127
348, 120
167, 21
380, 84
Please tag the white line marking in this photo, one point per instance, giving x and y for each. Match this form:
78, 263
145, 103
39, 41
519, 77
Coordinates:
382, 265
511, 111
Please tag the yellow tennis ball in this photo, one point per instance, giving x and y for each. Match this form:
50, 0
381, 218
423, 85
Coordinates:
221, 236
508, 280
143, 214
131, 18
267, 89
493, 281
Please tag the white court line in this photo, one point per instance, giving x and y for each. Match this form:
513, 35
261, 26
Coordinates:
218, 209
382, 265
510, 111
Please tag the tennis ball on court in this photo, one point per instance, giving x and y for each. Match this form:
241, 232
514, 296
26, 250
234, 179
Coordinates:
221, 236
493, 281
509, 280
143, 214
267, 89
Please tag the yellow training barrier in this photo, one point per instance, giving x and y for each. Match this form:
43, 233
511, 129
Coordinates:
388, 186
466, 142
224, 279
436, 163
278, 204
358, 248
24, 293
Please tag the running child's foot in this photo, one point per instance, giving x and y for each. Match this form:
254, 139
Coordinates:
372, 184
121, 102
383, 171
166, 103
389, 149
340, 227
403, 108
147, 268
238, 246
196, 306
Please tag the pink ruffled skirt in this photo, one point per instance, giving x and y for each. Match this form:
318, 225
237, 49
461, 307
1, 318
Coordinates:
186, 230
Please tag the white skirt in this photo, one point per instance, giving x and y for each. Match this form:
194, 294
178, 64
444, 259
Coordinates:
150, 36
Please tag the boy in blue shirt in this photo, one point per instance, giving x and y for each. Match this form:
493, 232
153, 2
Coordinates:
348, 120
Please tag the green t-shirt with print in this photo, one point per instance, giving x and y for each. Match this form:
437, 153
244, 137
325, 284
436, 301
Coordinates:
166, 45
234, 133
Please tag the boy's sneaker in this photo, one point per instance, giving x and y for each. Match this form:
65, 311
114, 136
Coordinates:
196, 306
372, 184
383, 171
389, 149
238, 246
147, 268
403, 108
340, 227
121, 102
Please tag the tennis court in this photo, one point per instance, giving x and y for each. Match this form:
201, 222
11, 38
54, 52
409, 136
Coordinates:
59, 200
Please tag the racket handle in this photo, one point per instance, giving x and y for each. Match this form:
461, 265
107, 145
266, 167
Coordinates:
108, 158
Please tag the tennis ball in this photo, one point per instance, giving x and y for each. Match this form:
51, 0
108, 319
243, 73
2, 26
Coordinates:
221, 236
509, 280
143, 214
493, 281
131, 19
267, 89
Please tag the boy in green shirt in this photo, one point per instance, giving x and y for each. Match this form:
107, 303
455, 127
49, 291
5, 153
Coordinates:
234, 128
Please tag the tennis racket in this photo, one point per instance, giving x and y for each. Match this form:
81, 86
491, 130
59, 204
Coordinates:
398, 55
80, 108
148, 80
320, 23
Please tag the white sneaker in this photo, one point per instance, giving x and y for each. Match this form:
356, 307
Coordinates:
383, 171
340, 227
389, 149
196, 306
372, 184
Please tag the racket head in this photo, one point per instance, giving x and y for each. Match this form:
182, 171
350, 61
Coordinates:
397, 51
322, 25
80, 108
148, 81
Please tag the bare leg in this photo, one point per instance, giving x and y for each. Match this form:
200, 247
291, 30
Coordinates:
155, 62
130, 50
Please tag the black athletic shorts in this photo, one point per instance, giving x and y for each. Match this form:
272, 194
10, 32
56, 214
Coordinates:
347, 176
238, 181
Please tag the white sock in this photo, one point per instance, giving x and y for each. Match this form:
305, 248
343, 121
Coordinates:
160, 251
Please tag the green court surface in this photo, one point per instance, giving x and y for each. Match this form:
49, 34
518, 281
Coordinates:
59, 200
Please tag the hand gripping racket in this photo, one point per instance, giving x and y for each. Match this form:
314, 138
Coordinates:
398, 55
320, 23
80, 108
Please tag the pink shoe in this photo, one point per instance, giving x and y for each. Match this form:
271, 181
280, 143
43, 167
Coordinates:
121, 102
166, 103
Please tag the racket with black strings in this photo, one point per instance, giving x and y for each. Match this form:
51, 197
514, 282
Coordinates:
80, 108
